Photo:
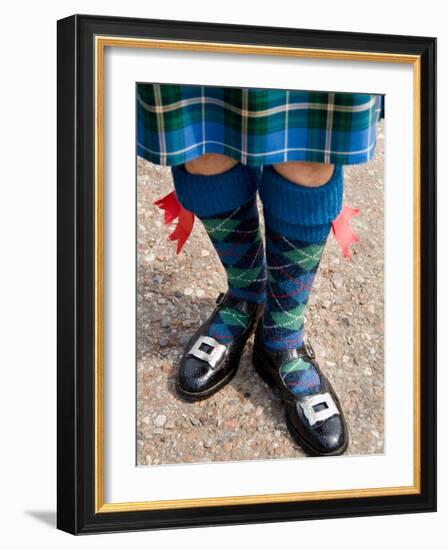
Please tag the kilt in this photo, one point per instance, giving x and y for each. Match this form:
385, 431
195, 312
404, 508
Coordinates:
256, 126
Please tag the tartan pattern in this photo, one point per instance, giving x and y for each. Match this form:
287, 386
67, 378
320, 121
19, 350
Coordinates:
177, 123
292, 265
237, 240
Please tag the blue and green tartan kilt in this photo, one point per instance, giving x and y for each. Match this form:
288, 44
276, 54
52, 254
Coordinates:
177, 123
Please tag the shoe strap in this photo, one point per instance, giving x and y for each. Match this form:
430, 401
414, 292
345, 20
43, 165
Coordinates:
227, 300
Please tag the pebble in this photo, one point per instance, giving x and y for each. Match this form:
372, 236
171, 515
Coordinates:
205, 253
166, 367
164, 323
188, 291
194, 421
160, 420
248, 407
338, 281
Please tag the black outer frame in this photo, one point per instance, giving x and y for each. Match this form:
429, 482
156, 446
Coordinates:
75, 272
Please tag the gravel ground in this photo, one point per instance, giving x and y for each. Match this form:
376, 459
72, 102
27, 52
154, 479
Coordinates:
244, 421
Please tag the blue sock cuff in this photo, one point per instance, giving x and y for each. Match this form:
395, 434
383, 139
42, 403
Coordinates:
211, 195
299, 212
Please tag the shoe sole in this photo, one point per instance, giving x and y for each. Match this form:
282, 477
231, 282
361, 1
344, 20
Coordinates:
199, 396
258, 364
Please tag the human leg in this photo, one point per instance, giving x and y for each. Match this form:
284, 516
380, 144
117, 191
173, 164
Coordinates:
298, 216
222, 194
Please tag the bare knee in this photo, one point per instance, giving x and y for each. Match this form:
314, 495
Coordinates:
210, 164
309, 174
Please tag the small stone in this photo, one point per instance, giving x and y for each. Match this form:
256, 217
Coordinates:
160, 421
164, 323
338, 281
146, 420
188, 291
228, 446
166, 367
259, 410
200, 292
205, 253
345, 359
207, 443
247, 407
178, 294
163, 342
150, 258
148, 459
194, 421
170, 425
330, 364
183, 340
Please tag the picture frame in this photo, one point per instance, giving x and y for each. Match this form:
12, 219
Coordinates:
81, 413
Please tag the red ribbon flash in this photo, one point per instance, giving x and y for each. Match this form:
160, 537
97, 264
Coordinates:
185, 219
342, 231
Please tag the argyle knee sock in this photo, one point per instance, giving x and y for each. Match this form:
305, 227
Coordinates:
298, 221
226, 205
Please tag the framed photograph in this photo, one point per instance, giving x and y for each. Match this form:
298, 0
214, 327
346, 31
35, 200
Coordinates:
246, 274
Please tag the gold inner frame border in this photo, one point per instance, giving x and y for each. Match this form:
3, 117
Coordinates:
101, 42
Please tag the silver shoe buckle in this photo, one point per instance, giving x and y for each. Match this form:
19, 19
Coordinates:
211, 355
310, 403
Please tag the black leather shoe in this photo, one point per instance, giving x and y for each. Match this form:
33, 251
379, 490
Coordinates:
206, 365
316, 422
